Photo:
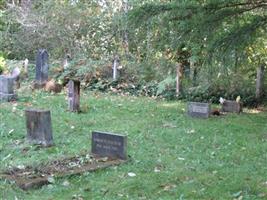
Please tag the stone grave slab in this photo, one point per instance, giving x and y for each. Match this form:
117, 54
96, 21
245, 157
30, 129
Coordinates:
109, 145
74, 95
33, 177
197, 109
231, 106
39, 128
7, 88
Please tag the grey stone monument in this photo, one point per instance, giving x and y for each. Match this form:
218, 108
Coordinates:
196, 109
16, 75
231, 106
109, 144
39, 129
42, 67
74, 95
7, 88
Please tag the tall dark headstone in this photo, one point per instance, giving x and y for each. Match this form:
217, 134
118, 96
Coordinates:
42, 67
231, 106
74, 95
109, 145
196, 109
39, 128
7, 88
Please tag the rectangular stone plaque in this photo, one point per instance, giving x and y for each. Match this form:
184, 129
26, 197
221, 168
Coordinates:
196, 109
109, 144
231, 106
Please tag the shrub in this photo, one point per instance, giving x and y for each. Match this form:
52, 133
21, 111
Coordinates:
2, 64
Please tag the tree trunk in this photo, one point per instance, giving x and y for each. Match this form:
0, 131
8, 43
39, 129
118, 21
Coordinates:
125, 8
260, 82
193, 73
178, 78
115, 68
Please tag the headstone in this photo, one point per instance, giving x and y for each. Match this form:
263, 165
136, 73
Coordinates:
41, 74
7, 88
196, 109
231, 106
16, 75
109, 144
74, 95
39, 129
25, 65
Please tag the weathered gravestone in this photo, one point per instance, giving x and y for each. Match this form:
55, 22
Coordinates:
7, 88
39, 129
231, 106
16, 75
109, 144
196, 109
74, 96
41, 73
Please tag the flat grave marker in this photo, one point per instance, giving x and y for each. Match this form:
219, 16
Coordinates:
109, 144
196, 109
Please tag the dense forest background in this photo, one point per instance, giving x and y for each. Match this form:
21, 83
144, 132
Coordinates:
213, 48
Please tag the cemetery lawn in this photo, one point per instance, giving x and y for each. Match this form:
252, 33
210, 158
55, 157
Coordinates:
173, 156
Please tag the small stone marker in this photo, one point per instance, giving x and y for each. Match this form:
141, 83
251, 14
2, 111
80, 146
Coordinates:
109, 144
231, 106
39, 129
41, 74
196, 109
7, 88
74, 96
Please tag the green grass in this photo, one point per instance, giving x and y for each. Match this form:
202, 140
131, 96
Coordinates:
218, 158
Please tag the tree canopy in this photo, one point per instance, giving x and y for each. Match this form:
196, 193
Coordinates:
219, 26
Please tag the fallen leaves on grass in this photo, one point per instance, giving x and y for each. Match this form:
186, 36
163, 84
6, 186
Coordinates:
168, 186
169, 125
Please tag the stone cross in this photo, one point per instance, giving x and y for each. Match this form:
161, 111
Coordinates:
7, 88
109, 145
39, 129
41, 74
74, 95
196, 109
